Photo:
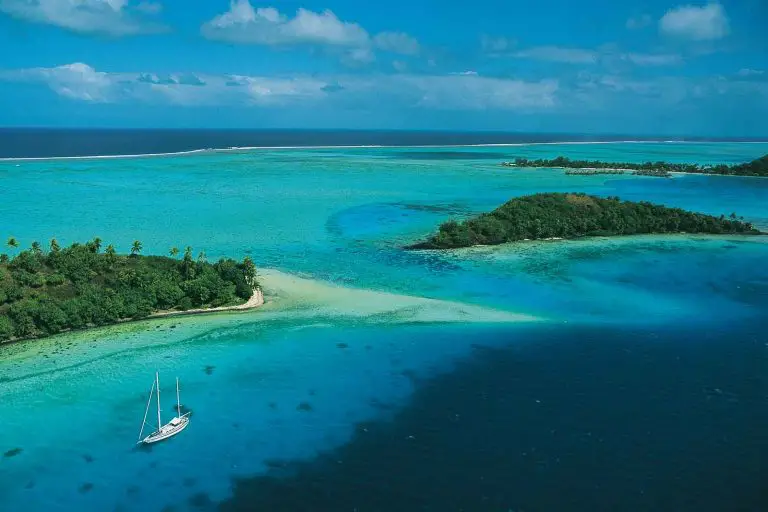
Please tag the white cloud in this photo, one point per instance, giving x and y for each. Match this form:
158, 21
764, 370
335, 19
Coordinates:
638, 22
704, 23
76, 81
649, 59
358, 56
396, 42
750, 72
465, 91
472, 92
244, 24
558, 54
110, 17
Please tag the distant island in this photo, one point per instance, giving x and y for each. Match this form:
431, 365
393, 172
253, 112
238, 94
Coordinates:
559, 215
48, 292
757, 167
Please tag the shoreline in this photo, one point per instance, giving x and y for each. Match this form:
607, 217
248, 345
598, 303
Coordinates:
256, 300
589, 238
672, 173
364, 146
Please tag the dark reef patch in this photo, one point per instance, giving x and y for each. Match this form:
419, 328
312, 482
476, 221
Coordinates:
12, 452
304, 406
200, 500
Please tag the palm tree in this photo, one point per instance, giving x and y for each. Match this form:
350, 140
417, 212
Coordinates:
201, 257
111, 253
136, 248
188, 264
12, 243
174, 252
96, 244
36, 248
250, 270
55, 245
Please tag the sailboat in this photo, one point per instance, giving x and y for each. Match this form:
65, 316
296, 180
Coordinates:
170, 429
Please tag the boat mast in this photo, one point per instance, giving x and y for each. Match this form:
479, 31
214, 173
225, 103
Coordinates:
178, 400
157, 378
146, 411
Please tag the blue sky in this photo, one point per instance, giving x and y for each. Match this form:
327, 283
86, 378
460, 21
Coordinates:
632, 67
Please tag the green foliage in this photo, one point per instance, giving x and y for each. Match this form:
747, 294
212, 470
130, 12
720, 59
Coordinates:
79, 286
557, 215
757, 167
6, 328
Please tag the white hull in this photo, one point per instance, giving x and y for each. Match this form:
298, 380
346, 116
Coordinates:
175, 426
171, 428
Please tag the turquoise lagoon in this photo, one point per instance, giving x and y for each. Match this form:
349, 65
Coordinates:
353, 323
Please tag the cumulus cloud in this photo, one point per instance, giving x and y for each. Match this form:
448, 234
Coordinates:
705, 23
245, 24
480, 93
466, 91
558, 54
76, 81
108, 17
173, 79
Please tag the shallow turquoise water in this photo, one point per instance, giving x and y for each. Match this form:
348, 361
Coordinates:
294, 379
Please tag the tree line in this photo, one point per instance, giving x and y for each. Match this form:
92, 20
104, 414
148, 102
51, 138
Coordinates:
758, 167
559, 215
44, 292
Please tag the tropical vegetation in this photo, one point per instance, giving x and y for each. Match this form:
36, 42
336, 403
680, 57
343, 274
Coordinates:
43, 293
559, 215
758, 167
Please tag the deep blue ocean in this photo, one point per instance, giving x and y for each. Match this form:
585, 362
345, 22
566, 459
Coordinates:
607, 374
51, 142
571, 419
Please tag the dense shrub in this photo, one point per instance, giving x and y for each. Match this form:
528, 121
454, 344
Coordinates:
559, 215
79, 286
757, 167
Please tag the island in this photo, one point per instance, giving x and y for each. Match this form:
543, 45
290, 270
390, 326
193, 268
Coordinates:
758, 167
48, 292
564, 215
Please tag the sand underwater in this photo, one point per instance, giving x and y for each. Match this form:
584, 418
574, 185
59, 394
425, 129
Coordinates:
359, 337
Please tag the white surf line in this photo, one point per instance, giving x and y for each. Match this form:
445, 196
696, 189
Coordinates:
366, 146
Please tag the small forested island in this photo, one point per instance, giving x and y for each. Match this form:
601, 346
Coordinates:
47, 292
560, 215
757, 167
